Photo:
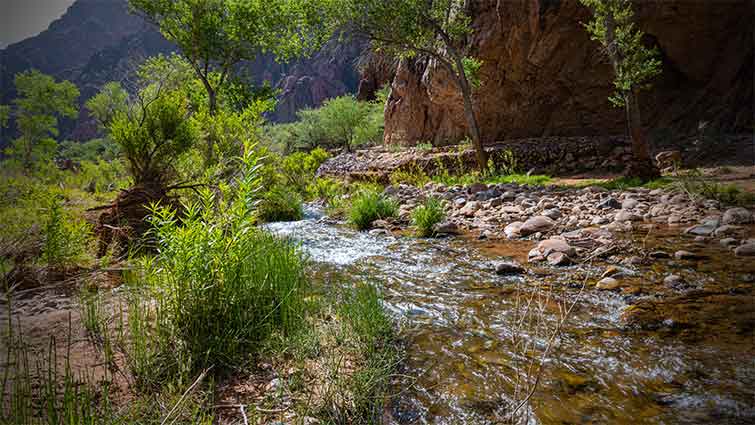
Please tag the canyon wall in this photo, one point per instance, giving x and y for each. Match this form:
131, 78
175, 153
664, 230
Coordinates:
543, 76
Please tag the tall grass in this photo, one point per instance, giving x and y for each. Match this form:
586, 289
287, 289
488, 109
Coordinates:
368, 205
426, 216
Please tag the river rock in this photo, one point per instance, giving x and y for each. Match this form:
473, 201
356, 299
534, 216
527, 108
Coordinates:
672, 280
737, 216
558, 259
512, 231
624, 216
553, 213
746, 250
505, 268
728, 242
701, 230
549, 246
447, 228
607, 284
686, 255
470, 208
536, 224
629, 203
727, 230
609, 204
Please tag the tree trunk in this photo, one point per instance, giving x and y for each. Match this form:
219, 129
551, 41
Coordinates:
213, 106
642, 165
474, 128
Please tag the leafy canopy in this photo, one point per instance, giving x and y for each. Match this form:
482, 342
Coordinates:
40, 102
215, 35
614, 28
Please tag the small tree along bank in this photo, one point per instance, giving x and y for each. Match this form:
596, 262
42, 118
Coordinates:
437, 30
634, 67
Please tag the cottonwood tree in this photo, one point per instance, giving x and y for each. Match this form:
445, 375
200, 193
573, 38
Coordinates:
634, 67
216, 35
437, 29
106, 104
41, 102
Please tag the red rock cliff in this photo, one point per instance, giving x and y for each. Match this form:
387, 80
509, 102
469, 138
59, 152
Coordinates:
543, 75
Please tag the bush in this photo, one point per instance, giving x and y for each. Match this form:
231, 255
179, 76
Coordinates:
280, 204
427, 215
369, 205
325, 189
299, 169
224, 285
65, 238
342, 122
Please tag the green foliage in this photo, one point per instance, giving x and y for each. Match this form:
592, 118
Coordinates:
427, 215
528, 179
224, 285
154, 134
4, 115
472, 68
99, 177
280, 204
368, 205
696, 186
373, 332
215, 35
342, 122
92, 150
105, 105
40, 103
65, 238
299, 169
614, 28
325, 189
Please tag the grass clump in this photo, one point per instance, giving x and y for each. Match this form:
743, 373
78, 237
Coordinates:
523, 179
280, 204
368, 205
65, 238
426, 216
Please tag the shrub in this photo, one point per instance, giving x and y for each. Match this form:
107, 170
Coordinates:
280, 204
65, 238
325, 189
370, 205
298, 169
223, 285
427, 215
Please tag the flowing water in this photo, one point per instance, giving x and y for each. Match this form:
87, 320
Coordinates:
464, 339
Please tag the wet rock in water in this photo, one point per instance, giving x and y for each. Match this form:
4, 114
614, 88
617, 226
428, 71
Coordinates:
728, 242
447, 228
607, 284
624, 216
379, 232
737, 216
746, 250
505, 268
512, 231
381, 224
558, 259
701, 230
536, 224
659, 254
549, 246
727, 230
673, 280
686, 255
609, 204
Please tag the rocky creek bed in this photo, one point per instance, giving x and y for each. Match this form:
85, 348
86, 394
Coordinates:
663, 288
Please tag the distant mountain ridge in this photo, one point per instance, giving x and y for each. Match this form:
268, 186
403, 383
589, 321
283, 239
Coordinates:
97, 41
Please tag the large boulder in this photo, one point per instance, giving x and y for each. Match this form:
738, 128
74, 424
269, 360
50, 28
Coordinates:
536, 224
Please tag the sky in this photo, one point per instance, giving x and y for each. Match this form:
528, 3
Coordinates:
20, 19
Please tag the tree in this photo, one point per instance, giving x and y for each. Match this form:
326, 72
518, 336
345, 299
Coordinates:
216, 35
437, 29
106, 104
4, 115
342, 117
40, 103
153, 133
634, 66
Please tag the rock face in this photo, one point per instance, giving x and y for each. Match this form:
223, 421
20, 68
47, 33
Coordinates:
542, 75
